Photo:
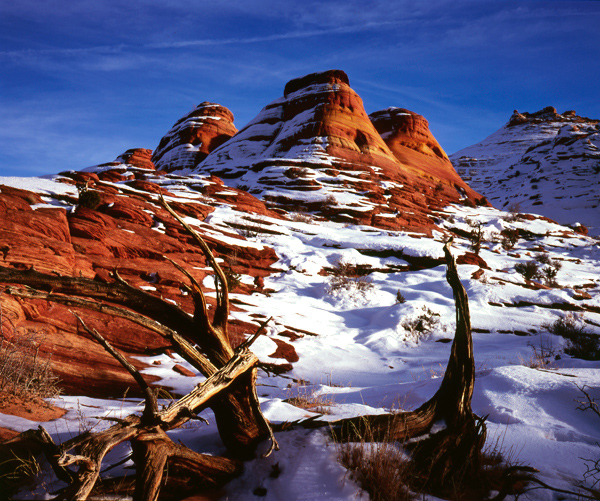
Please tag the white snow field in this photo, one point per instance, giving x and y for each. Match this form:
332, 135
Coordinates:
356, 348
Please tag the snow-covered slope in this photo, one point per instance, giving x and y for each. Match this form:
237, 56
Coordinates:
546, 162
357, 348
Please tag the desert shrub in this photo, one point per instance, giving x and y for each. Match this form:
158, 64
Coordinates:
299, 217
509, 238
580, 342
88, 198
243, 187
330, 201
514, 212
476, 236
233, 279
548, 273
529, 270
349, 279
422, 325
249, 228
296, 172
544, 355
23, 370
400, 299
542, 258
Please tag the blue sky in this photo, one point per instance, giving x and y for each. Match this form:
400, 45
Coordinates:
83, 81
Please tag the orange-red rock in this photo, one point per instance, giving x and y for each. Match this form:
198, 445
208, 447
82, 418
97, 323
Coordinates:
193, 137
408, 136
138, 157
317, 141
128, 231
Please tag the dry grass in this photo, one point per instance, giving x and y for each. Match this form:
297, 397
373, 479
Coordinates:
23, 370
306, 398
349, 279
544, 356
382, 469
580, 342
422, 325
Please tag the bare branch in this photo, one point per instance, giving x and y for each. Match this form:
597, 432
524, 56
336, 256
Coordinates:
246, 344
222, 310
151, 407
589, 403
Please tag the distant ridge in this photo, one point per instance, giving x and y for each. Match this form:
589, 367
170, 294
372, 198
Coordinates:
547, 162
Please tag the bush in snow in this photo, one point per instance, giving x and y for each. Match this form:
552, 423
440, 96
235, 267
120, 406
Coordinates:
400, 299
580, 342
529, 270
88, 198
514, 212
422, 325
476, 236
548, 273
349, 279
509, 238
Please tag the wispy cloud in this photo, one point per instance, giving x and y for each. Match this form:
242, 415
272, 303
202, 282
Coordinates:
206, 42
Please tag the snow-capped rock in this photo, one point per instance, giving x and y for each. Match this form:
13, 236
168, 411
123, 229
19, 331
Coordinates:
193, 137
547, 163
316, 149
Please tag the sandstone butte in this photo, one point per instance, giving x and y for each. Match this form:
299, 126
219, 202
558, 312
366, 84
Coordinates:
316, 145
193, 137
314, 149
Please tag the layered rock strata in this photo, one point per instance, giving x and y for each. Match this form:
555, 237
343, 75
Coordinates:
316, 149
542, 162
193, 137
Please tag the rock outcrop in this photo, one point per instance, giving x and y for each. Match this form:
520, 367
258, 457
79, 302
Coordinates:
408, 136
127, 231
316, 149
193, 137
543, 162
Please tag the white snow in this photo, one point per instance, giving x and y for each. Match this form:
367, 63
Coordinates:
366, 361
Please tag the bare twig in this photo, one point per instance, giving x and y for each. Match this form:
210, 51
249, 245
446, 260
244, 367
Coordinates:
151, 407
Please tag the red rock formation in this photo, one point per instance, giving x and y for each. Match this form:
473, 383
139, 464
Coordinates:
316, 149
193, 137
408, 136
128, 231
138, 157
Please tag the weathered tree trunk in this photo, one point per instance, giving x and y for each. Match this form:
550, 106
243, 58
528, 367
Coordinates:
444, 454
229, 388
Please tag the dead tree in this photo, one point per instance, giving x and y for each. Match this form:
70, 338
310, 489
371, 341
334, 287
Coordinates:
229, 389
444, 434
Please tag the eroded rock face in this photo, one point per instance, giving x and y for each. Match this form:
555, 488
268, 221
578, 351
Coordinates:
543, 162
128, 231
408, 136
193, 137
316, 149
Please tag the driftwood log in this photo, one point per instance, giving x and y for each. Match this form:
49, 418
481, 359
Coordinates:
445, 436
